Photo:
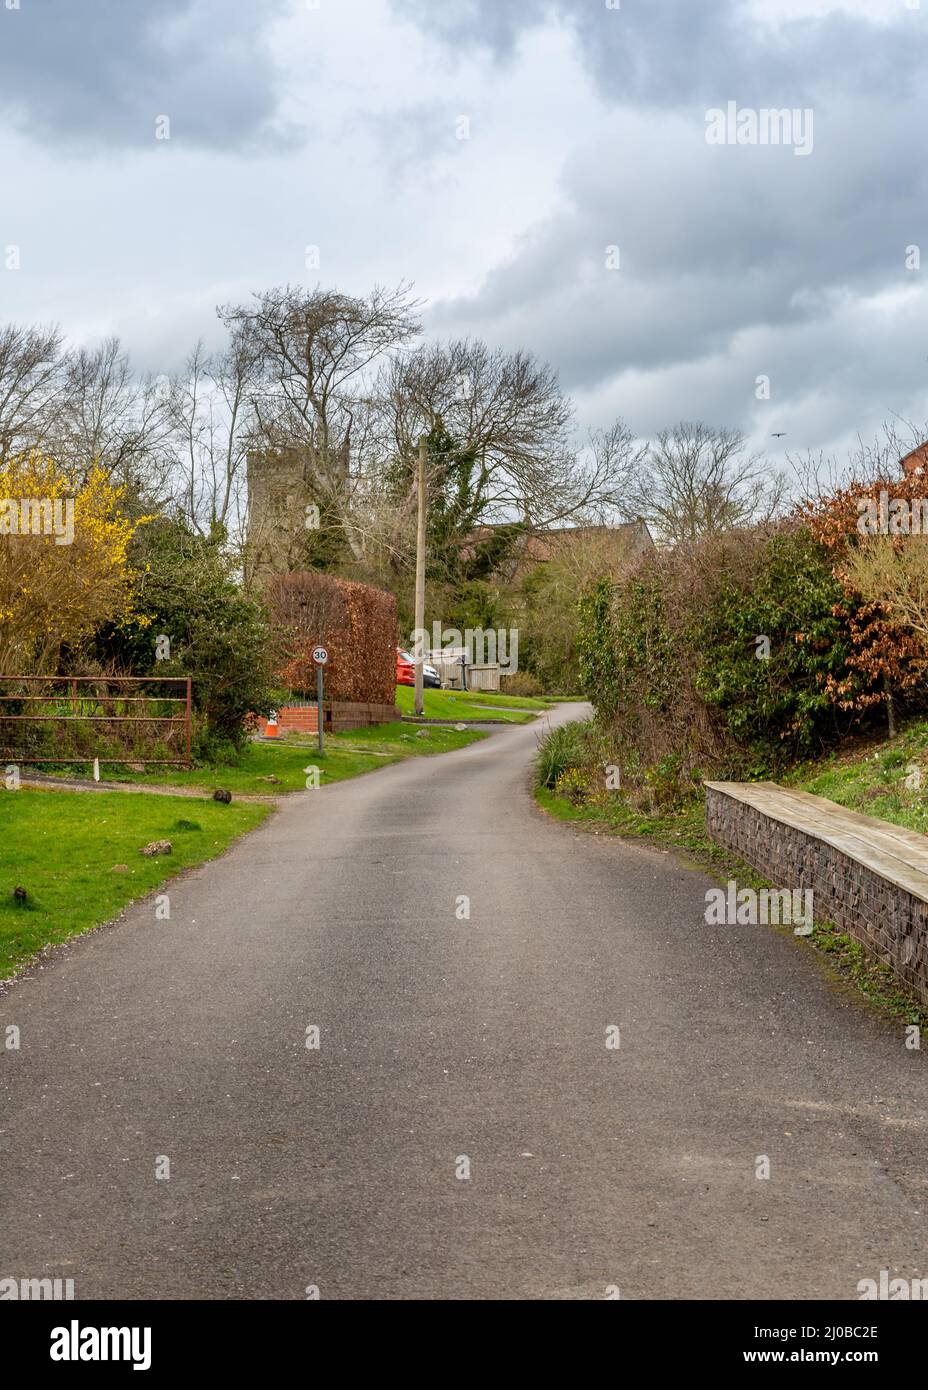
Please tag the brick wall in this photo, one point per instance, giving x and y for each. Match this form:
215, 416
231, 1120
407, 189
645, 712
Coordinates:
884, 917
301, 719
298, 719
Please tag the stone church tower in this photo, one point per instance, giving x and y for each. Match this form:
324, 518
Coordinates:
280, 526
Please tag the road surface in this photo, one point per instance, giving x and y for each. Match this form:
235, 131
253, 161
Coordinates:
462, 1130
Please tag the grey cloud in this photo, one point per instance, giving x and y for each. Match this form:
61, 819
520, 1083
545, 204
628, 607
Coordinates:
493, 24
671, 52
91, 73
412, 138
735, 262
712, 240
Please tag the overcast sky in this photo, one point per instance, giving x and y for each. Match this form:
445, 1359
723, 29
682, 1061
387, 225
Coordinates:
338, 124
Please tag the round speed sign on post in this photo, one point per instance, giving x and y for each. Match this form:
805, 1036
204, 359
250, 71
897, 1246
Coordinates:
320, 657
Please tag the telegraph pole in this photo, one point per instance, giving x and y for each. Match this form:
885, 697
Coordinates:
420, 578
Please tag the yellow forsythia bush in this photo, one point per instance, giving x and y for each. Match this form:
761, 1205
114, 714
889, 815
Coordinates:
64, 568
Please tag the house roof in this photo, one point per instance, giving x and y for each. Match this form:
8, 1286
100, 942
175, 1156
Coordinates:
916, 460
626, 540
541, 545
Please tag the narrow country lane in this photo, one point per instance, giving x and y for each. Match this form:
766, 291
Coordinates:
449, 1043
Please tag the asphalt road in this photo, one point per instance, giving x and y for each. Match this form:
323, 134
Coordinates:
445, 1039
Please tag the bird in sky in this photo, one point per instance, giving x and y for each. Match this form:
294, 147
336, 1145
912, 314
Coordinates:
778, 435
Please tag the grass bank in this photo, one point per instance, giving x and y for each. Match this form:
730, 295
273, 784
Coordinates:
877, 776
485, 706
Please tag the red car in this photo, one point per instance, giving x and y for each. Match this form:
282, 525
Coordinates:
406, 672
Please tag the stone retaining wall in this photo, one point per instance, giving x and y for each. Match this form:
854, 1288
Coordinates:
890, 922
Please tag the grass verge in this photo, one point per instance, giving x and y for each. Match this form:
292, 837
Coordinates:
272, 768
486, 706
62, 847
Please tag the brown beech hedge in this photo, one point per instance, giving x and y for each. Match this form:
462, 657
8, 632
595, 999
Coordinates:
354, 622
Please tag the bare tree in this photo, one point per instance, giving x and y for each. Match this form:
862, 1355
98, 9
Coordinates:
871, 461
213, 419
30, 385
615, 458
83, 407
315, 351
107, 415
696, 481
508, 411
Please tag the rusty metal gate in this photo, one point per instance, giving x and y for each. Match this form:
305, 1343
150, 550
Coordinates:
94, 700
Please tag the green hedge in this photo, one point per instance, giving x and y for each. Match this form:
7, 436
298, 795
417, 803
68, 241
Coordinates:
672, 661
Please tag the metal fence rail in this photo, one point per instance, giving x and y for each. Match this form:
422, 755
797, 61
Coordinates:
68, 692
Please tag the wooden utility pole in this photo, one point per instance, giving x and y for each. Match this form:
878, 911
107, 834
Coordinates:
420, 579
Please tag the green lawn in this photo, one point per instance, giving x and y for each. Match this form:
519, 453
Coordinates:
482, 705
62, 846
346, 755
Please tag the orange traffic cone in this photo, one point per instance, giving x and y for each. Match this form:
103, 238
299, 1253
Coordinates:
270, 728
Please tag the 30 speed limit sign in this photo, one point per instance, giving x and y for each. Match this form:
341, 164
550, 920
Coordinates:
320, 656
